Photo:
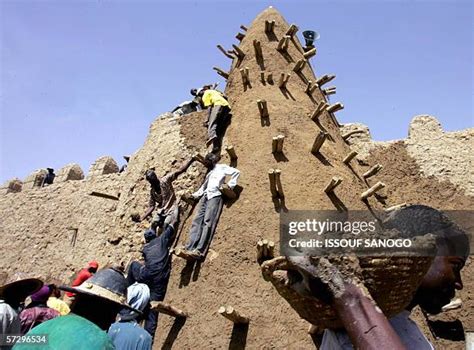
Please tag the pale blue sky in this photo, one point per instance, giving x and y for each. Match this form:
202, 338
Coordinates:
82, 79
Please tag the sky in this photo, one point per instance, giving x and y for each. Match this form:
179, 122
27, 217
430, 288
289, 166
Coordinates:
83, 79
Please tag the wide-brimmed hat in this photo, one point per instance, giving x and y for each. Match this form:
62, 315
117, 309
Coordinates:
109, 284
19, 286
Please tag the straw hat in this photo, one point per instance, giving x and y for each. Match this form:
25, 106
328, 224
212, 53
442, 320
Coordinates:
109, 284
19, 285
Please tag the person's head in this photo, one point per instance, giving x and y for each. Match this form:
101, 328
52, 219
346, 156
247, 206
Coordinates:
149, 235
93, 266
210, 160
152, 178
442, 279
138, 296
41, 296
50, 170
101, 297
54, 291
193, 92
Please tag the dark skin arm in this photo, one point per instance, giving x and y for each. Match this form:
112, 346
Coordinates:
147, 213
366, 325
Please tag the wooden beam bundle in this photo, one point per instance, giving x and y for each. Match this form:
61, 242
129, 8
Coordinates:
319, 109
240, 36
310, 53
269, 26
299, 65
335, 107
279, 187
330, 187
273, 189
221, 49
284, 77
318, 142
244, 73
283, 43
371, 191
265, 250
238, 51
231, 152
222, 73
310, 87
167, 309
347, 159
277, 144
258, 50
329, 91
325, 79
262, 108
292, 30
372, 171
231, 314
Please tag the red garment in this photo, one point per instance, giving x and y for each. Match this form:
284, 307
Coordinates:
82, 276
33, 316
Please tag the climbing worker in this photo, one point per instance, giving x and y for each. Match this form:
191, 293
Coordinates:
55, 302
82, 276
124, 167
210, 205
156, 270
49, 178
126, 333
365, 327
37, 312
187, 107
218, 116
12, 293
162, 194
95, 308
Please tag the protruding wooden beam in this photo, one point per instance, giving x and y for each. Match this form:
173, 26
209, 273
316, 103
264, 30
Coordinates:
310, 87
299, 65
318, 142
395, 207
168, 309
227, 192
222, 73
325, 79
262, 108
317, 112
238, 51
104, 195
244, 28
273, 189
240, 36
284, 77
335, 181
226, 54
198, 157
372, 171
231, 314
350, 133
335, 107
270, 78
371, 191
279, 186
347, 159
265, 250
258, 50
269, 26
244, 73
277, 144
329, 91
231, 152
262, 77
292, 30
310, 53
283, 43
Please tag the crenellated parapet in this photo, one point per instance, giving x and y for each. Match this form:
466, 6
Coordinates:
102, 166
71, 171
11, 186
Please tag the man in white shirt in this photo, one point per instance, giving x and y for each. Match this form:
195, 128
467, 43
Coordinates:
209, 206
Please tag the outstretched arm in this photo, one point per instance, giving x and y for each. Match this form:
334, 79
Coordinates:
366, 325
183, 168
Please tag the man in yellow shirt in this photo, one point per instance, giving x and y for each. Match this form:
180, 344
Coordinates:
219, 114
